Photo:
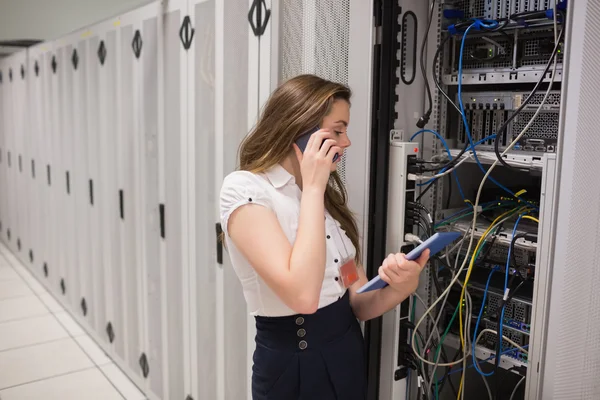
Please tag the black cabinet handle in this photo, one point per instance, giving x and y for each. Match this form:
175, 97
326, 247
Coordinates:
110, 332
136, 44
91, 192
219, 244
186, 32
84, 308
161, 209
121, 205
255, 17
144, 365
102, 52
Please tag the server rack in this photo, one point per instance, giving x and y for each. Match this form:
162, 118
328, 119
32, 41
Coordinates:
513, 62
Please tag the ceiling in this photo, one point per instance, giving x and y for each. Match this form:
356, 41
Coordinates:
26, 20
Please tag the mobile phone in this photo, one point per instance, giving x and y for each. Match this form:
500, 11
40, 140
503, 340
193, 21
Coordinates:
303, 141
435, 244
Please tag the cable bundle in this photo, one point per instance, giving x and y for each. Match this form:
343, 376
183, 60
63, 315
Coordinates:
429, 351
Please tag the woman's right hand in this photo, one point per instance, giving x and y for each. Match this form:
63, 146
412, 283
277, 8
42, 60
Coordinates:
315, 162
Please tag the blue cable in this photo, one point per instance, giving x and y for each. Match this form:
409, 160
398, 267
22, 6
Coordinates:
477, 24
487, 287
443, 141
506, 274
483, 205
447, 148
481, 361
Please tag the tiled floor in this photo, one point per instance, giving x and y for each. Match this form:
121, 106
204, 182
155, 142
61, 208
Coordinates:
44, 353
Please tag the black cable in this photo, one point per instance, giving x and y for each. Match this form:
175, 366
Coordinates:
501, 307
425, 190
504, 126
425, 118
452, 162
528, 15
449, 198
513, 257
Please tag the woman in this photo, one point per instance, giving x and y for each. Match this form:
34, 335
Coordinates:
294, 245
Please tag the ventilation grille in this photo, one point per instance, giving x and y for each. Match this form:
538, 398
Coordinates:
514, 311
472, 8
315, 36
497, 9
545, 126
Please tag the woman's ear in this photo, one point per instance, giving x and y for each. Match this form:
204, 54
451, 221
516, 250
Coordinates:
298, 152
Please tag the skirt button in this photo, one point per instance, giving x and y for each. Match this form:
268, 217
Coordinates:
303, 345
301, 332
299, 320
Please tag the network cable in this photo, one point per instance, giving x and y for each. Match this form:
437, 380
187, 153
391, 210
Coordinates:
425, 118
474, 221
487, 287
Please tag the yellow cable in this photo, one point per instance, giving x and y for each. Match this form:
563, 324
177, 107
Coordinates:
469, 270
531, 218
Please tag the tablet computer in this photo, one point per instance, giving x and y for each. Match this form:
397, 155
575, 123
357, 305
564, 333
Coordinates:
435, 244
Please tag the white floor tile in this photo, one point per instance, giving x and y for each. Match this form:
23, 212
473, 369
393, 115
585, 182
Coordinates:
89, 385
121, 382
51, 303
31, 280
8, 274
69, 323
10, 289
93, 350
41, 361
21, 308
30, 331
35, 286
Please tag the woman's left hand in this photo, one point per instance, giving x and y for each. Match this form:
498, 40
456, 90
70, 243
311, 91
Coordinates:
402, 274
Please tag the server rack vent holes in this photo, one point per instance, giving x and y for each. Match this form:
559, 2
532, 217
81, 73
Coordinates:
316, 44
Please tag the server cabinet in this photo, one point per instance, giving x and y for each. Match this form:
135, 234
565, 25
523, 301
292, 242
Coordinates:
13, 98
19, 128
36, 247
128, 153
204, 149
3, 153
4, 205
79, 63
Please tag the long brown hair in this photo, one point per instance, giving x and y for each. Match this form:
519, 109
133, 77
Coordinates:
295, 107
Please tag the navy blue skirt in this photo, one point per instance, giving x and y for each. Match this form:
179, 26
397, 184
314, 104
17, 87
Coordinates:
318, 356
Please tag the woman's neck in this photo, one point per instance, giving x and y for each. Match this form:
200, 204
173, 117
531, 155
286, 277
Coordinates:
291, 165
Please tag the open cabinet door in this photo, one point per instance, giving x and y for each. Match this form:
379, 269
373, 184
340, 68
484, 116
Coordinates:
333, 40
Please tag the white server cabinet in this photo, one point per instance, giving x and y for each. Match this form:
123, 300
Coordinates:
222, 107
57, 176
2, 157
4, 204
4, 99
170, 355
69, 172
13, 129
96, 304
79, 63
204, 166
35, 104
19, 131
128, 152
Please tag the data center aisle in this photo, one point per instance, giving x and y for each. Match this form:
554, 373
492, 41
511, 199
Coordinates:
44, 353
